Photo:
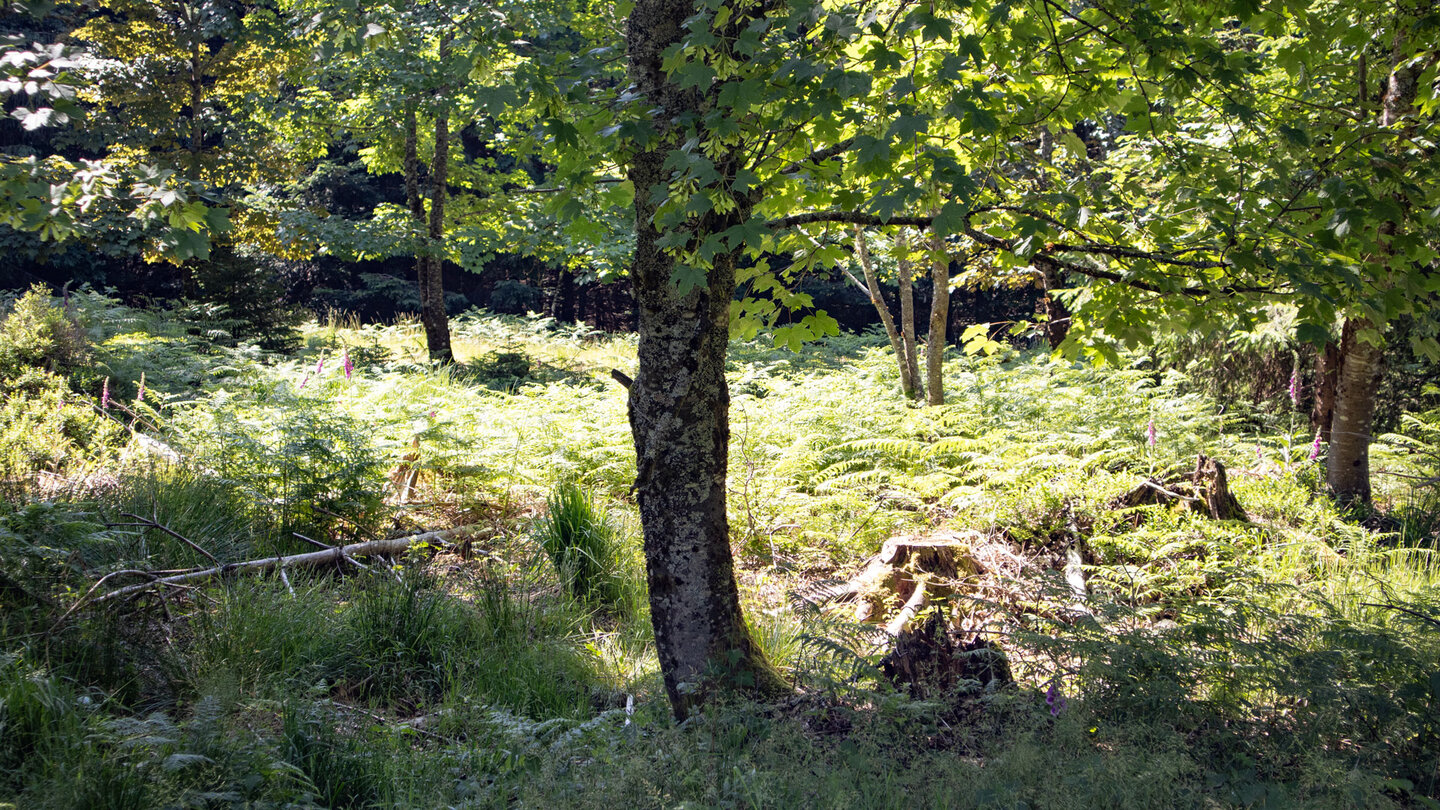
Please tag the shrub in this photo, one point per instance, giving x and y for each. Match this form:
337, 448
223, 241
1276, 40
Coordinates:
38, 336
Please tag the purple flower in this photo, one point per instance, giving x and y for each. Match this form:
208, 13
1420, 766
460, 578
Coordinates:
105, 395
1150, 434
1054, 699
432, 414
320, 365
1315, 447
1259, 454
1295, 388
306, 380
349, 366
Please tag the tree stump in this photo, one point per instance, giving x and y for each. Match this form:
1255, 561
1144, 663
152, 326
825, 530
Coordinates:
913, 570
1205, 491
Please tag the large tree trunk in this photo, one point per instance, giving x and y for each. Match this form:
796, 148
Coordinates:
871, 287
1361, 354
1348, 467
939, 317
679, 408
907, 315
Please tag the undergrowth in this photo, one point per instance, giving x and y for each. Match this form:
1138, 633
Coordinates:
1285, 661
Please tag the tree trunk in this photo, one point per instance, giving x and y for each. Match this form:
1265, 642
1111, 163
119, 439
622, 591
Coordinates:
1362, 354
679, 406
432, 281
939, 316
907, 316
871, 287
1057, 317
1327, 376
1348, 466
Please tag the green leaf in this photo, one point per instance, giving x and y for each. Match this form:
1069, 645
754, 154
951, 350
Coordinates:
687, 278
1313, 334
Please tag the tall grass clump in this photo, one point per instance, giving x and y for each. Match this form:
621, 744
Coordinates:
587, 549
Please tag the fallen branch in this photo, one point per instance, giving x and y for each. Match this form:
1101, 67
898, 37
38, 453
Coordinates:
147, 522
394, 545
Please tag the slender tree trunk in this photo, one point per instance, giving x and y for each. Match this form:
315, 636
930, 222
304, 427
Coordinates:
432, 281
939, 317
413, 200
871, 287
907, 315
679, 407
1057, 317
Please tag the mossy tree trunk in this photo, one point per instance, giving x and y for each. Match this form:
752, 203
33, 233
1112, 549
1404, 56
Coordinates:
679, 401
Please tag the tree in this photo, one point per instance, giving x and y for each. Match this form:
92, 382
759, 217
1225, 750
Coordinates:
60, 199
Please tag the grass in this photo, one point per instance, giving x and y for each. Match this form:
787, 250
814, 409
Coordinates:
1288, 661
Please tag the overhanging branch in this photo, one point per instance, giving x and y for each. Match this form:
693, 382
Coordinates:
1049, 252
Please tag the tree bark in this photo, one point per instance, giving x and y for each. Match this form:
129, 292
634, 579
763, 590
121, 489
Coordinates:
939, 316
1057, 317
907, 316
872, 289
1327, 376
1348, 466
1362, 347
432, 280
679, 404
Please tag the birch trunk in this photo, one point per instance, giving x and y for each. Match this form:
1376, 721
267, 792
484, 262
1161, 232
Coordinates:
939, 317
907, 316
872, 288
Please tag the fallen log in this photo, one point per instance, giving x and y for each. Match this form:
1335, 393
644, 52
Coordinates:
370, 548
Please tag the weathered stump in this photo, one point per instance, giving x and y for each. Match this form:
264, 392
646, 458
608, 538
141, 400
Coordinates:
1205, 491
913, 571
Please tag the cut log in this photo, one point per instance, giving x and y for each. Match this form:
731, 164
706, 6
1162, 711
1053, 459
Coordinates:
1213, 488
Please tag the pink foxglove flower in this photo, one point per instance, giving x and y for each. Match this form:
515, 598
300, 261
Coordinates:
305, 381
140, 397
1150, 434
1315, 447
105, 395
320, 365
349, 366
1295, 388
1259, 454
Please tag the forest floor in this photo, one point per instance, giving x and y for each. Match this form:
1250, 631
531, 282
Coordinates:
1160, 657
